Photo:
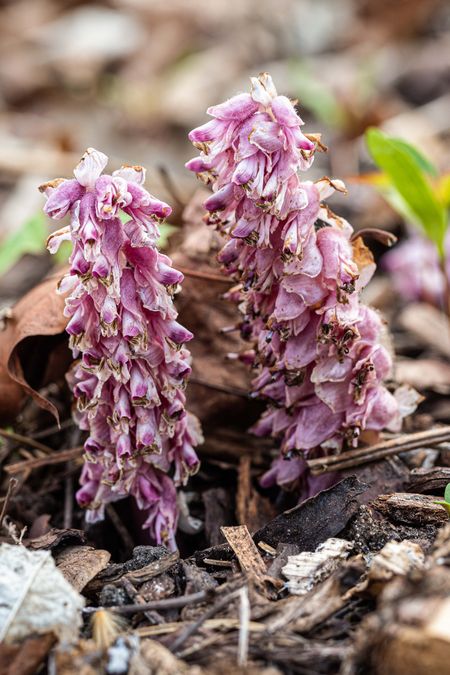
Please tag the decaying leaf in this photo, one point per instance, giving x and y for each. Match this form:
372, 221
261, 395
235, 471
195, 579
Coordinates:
80, 564
36, 598
26, 343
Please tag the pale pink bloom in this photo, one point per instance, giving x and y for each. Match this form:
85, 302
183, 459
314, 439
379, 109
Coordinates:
132, 366
316, 349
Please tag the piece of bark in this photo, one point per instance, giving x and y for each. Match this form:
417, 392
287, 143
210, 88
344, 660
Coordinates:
388, 475
80, 564
316, 519
395, 558
219, 511
146, 563
409, 633
246, 552
411, 509
252, 509
308, 568
431, 481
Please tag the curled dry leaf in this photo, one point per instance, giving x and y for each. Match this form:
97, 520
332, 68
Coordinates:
26, 346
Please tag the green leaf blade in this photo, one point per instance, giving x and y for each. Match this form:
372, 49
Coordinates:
405, 168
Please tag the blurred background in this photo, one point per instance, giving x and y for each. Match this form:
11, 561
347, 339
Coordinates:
132, 77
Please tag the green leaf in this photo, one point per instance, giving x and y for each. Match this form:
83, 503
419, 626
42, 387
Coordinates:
422, 162
443, 190
404, 168
447, 493
30, 238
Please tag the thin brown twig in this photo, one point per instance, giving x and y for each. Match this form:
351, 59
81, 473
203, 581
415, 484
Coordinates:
169, 184
13, 482
372, 453
168, 603
38, 462
122, 531
193, 627
68, 498
19, 438
54, 429
207, 276
224, 389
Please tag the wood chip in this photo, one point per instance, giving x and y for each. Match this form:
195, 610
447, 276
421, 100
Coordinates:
246, 552
305, 570
80, 564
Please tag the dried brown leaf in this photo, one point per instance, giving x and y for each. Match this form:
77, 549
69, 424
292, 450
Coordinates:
80, 564
25, 347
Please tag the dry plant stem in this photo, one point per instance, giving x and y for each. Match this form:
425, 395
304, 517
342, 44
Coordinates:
446, 307
372, 453
54, 429
122, 531
233, 391
169, 184
193, 627
68, 498
12, 436
170, 603
207, 276
37, 463
13, 482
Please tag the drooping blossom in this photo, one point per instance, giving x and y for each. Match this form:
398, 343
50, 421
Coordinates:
131, 363
315, 348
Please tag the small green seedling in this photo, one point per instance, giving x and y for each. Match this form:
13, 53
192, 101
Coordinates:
445, 503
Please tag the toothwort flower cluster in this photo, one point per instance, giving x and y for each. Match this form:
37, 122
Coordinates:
316, 348
131, 365
416, 271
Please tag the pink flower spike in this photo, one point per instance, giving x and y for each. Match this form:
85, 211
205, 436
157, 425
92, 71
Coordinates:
131, 369
315, 348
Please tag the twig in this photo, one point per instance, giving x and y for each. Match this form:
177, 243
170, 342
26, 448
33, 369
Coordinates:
193, 627
224, 389
11, 435
122, 531
13, 482
169, 184
244, 621
151, 616
68, 498
374, 452
38, 462
158, 605
54, 429
207, 276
